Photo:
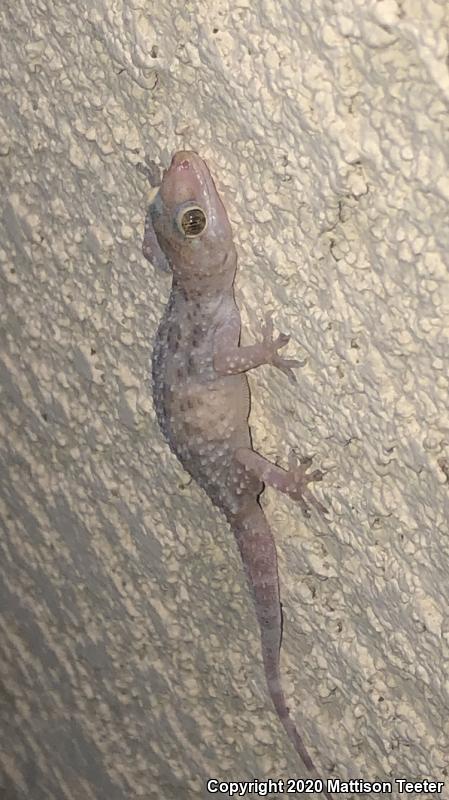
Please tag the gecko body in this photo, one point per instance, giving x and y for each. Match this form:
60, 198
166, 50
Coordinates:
201, 392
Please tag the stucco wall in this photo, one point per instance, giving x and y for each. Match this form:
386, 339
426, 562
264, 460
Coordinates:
129, 647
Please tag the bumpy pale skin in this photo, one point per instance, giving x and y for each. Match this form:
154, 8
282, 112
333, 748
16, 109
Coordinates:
201, 392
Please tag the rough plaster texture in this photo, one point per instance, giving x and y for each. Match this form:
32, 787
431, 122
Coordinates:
129, 648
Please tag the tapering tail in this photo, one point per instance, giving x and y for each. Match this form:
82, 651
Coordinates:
258, 552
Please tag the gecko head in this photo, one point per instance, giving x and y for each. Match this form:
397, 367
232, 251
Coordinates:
190, 222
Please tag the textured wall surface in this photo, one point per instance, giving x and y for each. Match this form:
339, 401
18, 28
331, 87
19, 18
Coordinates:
129, 651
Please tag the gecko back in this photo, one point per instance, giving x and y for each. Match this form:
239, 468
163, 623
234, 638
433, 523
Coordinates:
203, 415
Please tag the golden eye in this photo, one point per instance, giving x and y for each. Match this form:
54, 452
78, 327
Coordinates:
191, 221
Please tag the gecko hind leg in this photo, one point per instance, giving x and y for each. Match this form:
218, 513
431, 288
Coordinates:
293, 482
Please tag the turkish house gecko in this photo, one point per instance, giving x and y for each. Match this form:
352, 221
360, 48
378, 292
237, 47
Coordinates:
201, 392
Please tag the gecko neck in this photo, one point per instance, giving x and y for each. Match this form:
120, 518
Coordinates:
199, 283
203, 293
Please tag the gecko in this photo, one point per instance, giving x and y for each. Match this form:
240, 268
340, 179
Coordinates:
201, 392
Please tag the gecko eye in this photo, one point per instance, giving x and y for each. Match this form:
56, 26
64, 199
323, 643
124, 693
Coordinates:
191, 220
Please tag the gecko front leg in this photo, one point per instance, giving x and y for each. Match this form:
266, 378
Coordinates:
231, 359
293, 481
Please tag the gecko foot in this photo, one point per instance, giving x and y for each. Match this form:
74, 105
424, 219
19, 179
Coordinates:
150, 170
297, 482
292, 481
272, 346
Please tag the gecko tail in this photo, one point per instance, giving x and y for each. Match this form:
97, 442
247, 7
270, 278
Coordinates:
258, 552
278, 698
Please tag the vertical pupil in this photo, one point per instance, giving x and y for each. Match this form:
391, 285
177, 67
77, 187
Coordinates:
193, 221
